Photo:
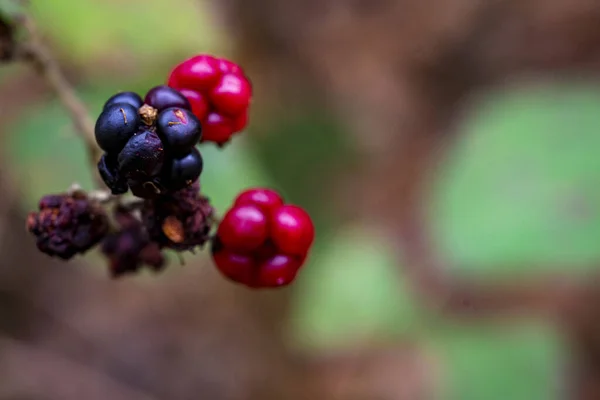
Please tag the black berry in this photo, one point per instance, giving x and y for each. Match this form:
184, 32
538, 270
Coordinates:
179, 129
163, 97
185, 170
109, 171
142, 157
130, 98
116, 125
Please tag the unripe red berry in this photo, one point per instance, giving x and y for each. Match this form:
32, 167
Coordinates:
279, 270
216, 128
229, 67
231, 95
197, 101
199, 73
240, 122
266, 199
243, 228
237, 267
292, 230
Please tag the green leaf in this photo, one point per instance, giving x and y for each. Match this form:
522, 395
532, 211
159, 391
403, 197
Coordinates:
521, 185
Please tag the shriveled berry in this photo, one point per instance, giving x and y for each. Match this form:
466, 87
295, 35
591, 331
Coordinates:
147, 188
292, 230
231, 95
199, 73
116, 125
130, 98
185, 170
236, 267
277, 271
109, 172
67, 224
179, 129
243, 228
267, 200
163, 97
197, 101
142, 157
179, 220
217, 128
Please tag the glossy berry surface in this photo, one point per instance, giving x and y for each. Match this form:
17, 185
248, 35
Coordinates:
142, 157
261, 241
179, 129
231, 95
292, 230
219, 93
267, 200
199, 73
116, 125
243, 228
163, 97
131, 98
279, 270
217, 128
197, 101
109, 172
184, 170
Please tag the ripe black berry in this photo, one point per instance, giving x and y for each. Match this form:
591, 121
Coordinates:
130, 98
179, 129
115, 125
185, 170
142, 157
109, 171
163, 97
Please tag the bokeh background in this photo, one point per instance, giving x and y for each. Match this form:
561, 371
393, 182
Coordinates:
352, 100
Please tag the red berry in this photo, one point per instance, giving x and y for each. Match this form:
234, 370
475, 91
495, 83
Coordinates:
216, 128
279, 270
199, 73
266, 199
240, 122
231, 95
197, 101
292, 230
229, 67
237, 267
243, 228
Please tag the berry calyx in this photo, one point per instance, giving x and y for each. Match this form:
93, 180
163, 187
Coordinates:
163, 97
267, 200
243, 228
116, 125
131, 98
179, 129
292, 230
231, 95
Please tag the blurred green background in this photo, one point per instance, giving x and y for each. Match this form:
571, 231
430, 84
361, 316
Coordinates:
520, 188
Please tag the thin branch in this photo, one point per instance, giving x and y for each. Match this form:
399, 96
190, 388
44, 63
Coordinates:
33, 51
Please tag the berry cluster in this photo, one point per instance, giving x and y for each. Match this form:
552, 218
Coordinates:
219, 93
150, 149
149, 144
262, 242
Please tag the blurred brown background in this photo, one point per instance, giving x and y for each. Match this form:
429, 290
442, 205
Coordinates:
446, 149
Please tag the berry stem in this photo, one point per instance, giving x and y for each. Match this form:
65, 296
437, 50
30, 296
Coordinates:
33, 51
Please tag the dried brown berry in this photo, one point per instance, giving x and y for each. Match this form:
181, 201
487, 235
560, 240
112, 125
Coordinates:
130, 248
181, 220
67, 224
